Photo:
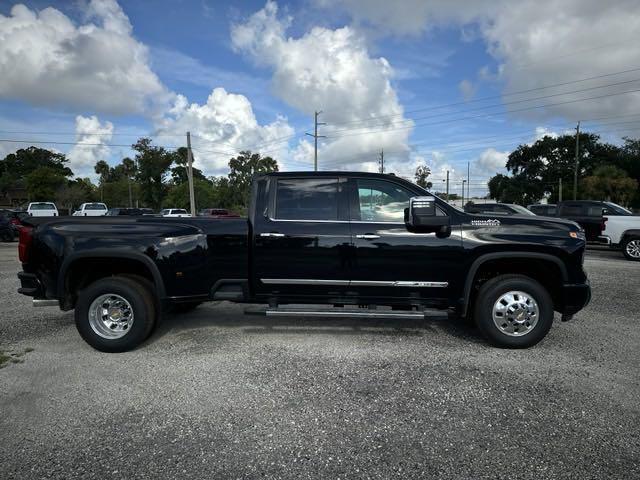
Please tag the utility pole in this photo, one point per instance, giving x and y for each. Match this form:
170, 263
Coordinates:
130, 196
192, 198
559, 190
315, 138
468, 181
382, 161
575, 170
463, 182
447, 186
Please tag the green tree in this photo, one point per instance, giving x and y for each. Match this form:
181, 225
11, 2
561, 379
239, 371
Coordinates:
515, 189
630, 163
610, 183
43, 183
421, 176
129, 169
102, 169
75, 192
178, 196
179, 173
153, 164
15, 167
242, 169
540, 166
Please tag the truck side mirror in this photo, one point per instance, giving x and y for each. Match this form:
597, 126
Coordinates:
421, 216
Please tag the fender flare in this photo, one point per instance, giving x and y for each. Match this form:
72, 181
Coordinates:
110, 253
629, 233
478, 262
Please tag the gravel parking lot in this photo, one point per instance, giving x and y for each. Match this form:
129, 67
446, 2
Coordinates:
217, 394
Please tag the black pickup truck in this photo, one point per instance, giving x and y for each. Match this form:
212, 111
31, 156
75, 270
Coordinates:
332, 243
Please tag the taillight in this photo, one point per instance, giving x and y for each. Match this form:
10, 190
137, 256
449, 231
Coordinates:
26, 236
603, 224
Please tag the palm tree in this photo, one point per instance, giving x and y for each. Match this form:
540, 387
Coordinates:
129, 167
102, 169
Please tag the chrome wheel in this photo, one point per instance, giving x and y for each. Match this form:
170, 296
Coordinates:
633, 248
515, 313
111, 316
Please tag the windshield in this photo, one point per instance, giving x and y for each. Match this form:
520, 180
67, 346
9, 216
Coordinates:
95, 206
42, 206
617, 209
520, 209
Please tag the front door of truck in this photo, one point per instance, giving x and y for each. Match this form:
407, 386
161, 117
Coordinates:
302, 240
391, 261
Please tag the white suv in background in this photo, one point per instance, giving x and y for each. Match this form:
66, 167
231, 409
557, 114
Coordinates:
91, 210
622, 232
42, 209
174, 212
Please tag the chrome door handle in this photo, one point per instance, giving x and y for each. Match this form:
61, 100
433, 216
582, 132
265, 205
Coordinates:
368, 236
270, 234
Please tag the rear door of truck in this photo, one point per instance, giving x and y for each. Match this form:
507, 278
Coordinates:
301, 237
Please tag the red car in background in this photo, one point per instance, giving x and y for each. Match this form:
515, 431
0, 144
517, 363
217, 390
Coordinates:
217, 213
15, 218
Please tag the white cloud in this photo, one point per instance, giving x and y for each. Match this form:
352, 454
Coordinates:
94, 134
542, 132
535, 42
410, 17
491, 161
222, 126
332, 71
45, 59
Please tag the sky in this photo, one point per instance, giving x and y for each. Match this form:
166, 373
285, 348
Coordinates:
451, 84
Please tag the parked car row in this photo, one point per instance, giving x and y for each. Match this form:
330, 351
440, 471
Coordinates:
99, 209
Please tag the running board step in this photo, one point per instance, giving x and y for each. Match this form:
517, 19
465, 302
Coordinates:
334, 313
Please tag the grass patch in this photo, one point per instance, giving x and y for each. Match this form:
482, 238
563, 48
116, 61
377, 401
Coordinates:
13, 357
4, 359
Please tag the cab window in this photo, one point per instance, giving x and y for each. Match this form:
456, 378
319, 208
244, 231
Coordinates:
380, 201
307, 199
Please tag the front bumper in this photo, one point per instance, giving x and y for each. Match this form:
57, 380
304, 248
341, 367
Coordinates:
575, 297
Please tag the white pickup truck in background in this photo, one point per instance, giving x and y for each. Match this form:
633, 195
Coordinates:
93, 209
622, 232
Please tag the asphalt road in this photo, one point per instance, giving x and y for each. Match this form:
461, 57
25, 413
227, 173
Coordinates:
216, 394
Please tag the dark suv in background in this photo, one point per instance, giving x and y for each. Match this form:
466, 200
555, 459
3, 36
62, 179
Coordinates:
497, 209
544, 209
589, 215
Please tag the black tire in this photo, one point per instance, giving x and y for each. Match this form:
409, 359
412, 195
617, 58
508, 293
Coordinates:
150, 286
491, 292
183, 307
626, 248
142, 304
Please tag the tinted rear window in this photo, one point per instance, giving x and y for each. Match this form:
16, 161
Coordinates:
571, 210
43, 206
307, 199
95, 206
594, 210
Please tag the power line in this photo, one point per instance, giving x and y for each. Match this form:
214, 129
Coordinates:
491, 97
487, 115
495, 105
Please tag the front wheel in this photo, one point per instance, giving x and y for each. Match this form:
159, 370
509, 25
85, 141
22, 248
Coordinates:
513, 311
115, 314
631, 248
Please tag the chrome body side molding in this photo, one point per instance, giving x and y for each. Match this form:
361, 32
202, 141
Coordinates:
353, 283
